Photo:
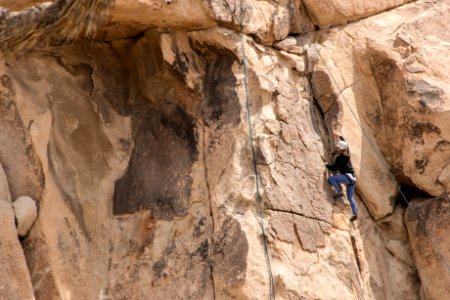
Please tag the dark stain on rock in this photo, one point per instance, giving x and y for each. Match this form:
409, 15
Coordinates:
203, 250
420, 164
160, 264
112, 88
418, 129
229, 252
441, 145
199, 227
181, 62
17, 155
427, 91
158, 268
221, 99
424, 214
158, 177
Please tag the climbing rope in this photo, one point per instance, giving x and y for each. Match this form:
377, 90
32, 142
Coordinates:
252, 144
433, 244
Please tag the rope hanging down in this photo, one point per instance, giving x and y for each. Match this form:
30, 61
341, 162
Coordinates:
252, 144
433, 245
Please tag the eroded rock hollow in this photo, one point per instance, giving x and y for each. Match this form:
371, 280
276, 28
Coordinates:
140, 148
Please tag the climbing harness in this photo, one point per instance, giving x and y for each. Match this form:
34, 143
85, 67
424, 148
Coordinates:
252, 144
433, 245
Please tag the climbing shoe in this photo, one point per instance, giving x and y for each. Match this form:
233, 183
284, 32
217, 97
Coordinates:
353, 218
338, 195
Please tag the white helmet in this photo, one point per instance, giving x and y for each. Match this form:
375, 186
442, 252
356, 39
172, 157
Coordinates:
341, 145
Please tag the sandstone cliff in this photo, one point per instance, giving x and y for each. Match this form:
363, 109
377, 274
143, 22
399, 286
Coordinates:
140, 154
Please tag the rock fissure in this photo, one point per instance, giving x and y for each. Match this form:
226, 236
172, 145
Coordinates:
208, 188
300, 214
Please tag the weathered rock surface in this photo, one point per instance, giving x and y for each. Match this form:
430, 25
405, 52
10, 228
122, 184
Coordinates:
428, 222
369, 86
137, 150
15, 280
335, 12
411, 66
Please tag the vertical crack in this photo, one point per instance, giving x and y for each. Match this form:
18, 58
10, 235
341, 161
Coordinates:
355, 251
208, 188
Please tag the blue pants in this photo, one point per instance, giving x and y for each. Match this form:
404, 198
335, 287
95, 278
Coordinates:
336, 182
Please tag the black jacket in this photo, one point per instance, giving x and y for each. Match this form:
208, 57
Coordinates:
343, 164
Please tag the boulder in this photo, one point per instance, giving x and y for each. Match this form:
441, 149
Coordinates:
25, 210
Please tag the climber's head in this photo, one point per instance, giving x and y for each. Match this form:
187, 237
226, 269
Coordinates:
341, 146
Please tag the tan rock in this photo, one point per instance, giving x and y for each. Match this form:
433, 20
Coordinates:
340, 105
393, 225
289, 44
428, 223
266, 21
19, 158
335, 12
15, 278
19, 5
421, 106
147, 157
444, 178
141, 15
386, 264
379, 94
72, 212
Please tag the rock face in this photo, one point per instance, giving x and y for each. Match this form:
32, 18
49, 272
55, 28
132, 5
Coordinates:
335, 12
14, 278
420, 109
427, 223
140, 150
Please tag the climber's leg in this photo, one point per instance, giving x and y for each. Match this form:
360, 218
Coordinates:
350, 192
336, 180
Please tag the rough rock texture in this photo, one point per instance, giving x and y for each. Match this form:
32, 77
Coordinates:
326, 13
21, 164
427, 222
137, 150
410, 65
374, 84
15, 280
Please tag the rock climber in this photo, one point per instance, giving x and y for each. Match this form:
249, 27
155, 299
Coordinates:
343, 164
